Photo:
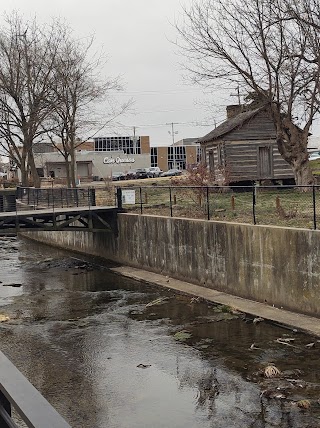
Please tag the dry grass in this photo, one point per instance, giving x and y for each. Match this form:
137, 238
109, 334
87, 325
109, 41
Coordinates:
274, 206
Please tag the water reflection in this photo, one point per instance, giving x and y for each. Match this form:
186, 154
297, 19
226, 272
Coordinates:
103, 350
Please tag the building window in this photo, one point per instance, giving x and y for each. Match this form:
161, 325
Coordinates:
129, 145
154, 156
177, 157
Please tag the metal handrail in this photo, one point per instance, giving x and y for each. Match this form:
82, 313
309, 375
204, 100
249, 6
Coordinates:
19, 393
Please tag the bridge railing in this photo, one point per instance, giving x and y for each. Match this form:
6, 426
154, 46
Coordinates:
18, 394
34, 198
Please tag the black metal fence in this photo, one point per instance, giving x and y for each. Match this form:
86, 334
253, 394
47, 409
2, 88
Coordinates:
33, 198
294, 206
7, 200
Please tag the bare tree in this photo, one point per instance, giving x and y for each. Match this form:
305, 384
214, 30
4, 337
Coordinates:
27, 53
80, 91
265, 47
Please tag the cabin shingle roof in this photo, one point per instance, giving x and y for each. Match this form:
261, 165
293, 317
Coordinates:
229, 125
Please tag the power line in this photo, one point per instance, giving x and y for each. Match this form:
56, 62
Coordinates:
158, 125
151, 92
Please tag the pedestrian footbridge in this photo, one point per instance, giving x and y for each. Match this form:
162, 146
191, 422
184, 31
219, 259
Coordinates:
55, 209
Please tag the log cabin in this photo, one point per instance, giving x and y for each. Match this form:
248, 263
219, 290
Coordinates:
243, 149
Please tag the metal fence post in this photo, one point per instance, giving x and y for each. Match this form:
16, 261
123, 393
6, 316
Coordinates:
140, 189
254, 204
208, 206
170, 194
52, 197
90, 222
119, 197
314, 207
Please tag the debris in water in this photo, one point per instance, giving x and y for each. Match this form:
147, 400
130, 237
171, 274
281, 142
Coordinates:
253, 346
143, 366
286, 342
304, 404
271, 371
4, 318
11, 285
182, 336
258, 319
271, 393
311, 345
159, 301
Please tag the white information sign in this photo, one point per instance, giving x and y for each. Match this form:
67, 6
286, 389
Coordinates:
129, 197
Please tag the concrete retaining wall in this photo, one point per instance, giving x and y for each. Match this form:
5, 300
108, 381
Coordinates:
279, 266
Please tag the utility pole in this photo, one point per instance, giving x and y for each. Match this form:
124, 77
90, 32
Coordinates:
172, 133
238, 95
134, 141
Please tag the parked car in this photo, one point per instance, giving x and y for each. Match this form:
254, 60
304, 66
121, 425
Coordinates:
116, 176
314, 156
131, 174
142, 173
171, 172
154, 171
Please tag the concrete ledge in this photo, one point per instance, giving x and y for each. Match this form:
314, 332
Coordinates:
300, 322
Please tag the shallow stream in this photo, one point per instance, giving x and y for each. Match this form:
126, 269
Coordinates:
108, 352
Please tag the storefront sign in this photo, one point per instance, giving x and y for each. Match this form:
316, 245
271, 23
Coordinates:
118, 160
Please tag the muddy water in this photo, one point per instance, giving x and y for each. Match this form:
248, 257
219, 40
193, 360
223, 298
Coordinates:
109, 352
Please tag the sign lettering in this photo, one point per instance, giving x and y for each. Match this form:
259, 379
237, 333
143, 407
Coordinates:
117, 160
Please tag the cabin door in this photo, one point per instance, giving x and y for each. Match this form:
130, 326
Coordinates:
265, 162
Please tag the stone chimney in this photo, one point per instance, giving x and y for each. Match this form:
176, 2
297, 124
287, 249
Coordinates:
234, 110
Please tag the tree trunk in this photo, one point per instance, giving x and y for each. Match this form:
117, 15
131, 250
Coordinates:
73, 168
24, 169
302, 173
292, 143
34, 173
67, 164
24, 175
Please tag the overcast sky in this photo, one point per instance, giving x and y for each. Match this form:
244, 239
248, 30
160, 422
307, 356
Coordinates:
137, 37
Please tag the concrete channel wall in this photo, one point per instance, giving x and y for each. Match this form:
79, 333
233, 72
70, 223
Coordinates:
275, 265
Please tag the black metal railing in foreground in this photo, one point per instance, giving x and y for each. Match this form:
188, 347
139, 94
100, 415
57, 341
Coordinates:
17, 393
294, 206
33, 198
